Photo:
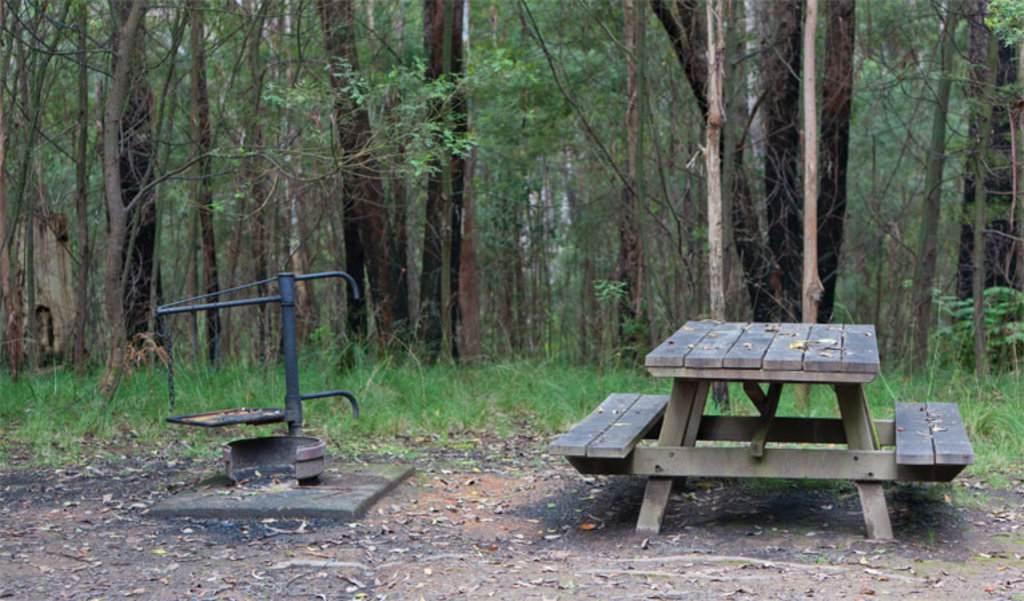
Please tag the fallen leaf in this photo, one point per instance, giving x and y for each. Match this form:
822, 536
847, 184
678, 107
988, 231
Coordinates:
588, 526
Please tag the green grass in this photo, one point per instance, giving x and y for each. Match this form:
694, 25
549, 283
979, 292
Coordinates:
56, 419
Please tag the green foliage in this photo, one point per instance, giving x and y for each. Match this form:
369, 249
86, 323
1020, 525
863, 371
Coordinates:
1004, 329
610, 291
1006, 19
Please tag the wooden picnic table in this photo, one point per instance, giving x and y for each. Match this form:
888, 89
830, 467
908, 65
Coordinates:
929, 438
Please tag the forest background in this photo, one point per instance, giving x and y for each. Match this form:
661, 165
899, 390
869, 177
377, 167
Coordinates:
503, 179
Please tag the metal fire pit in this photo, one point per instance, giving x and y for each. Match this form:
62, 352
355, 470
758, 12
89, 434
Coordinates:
270, 457
292, 456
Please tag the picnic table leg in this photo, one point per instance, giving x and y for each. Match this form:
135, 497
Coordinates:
679, 428
860, 434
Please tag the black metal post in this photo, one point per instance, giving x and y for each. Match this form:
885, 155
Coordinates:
292, 398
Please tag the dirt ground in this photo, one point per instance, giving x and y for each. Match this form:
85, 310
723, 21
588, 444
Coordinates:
501, 519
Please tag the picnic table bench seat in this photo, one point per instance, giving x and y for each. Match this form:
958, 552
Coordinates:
614, 428
932, 434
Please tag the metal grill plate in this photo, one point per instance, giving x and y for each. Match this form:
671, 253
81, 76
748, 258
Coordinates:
228, 417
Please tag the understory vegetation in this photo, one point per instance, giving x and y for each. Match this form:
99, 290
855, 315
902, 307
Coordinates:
407, 406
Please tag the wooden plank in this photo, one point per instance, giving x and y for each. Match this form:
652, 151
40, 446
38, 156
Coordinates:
681, 422
760, 436
749, 350
913, 436
815, 430
952, 447
824, 348
673, 350
853, 409
783, 429
575, 441
710, 351
756, 395
876, 513
762, 375
652, 509
621, 436
736, 462
786, 351
860, 349
879, 465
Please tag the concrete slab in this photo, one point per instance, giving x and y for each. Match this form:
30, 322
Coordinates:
344, 493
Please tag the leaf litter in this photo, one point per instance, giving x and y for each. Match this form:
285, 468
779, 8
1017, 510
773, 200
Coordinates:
500, 519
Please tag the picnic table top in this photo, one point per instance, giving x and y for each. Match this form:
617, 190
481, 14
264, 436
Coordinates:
789, 352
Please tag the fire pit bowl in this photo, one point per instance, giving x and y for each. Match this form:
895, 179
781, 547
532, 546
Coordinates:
299, 457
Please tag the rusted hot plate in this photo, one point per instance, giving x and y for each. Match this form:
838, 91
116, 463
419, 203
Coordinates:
227, 417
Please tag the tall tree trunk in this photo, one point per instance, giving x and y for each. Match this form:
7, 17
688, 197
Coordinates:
631, 250
685, 27
780, 69
442, 20
924, 273
1019, 178
125, 43
202, 138
255, 177
812, 288
367, 238
716, 252
468, 341
82, 196
997, 246
136, 160
987, 77
837, 96
13, 334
